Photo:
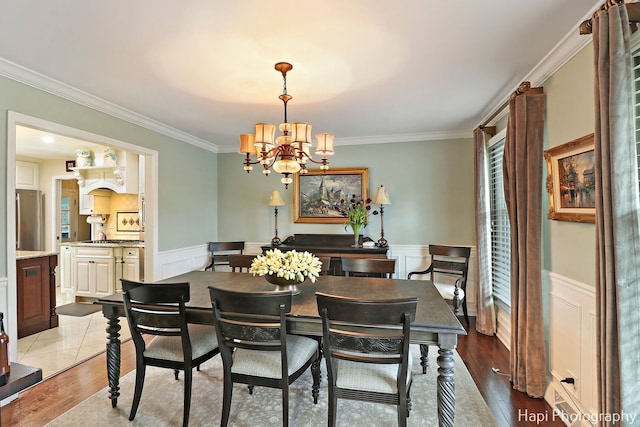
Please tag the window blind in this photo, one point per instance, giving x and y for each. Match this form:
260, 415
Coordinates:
636, 97
500, 228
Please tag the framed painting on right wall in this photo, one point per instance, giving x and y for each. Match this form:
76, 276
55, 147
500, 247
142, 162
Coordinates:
571, 181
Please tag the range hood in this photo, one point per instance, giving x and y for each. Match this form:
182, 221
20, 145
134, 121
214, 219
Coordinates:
121, 178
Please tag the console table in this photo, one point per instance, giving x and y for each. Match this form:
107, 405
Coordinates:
333, 245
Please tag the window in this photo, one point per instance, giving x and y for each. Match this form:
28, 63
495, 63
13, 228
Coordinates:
635, 53
500, 228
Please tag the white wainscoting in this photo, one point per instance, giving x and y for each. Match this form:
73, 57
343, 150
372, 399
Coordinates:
409, 258
572, 346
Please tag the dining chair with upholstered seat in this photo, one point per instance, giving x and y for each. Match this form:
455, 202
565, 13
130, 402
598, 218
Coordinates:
220, 251
255, 347
452, 263
158, 310
366, 348
448, 271
373, 267
241, 262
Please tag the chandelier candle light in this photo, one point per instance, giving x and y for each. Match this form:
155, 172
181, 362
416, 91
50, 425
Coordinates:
382, 198
291, 150
276, 200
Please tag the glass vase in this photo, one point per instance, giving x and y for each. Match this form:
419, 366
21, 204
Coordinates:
356, 234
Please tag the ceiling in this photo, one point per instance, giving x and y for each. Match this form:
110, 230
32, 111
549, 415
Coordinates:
364, 70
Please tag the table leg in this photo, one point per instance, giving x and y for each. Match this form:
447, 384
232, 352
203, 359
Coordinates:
446, 388
113, 353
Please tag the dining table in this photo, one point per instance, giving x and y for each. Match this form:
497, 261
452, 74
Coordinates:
435, 323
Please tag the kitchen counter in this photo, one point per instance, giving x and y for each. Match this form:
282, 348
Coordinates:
20, 255
109, 243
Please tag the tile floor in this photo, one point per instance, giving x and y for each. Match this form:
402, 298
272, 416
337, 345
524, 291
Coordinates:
74, 340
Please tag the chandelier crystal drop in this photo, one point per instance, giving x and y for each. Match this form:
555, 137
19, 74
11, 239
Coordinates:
289, 153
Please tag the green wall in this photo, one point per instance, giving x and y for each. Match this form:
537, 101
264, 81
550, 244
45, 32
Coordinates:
187, 175
430, 184
570, 247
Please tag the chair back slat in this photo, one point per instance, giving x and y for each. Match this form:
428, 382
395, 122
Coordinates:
156, 309
367, 312
240, 262
344, 343
265, 303
251, 331
373, 267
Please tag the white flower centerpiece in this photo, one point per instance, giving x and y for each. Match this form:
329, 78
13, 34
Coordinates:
286, 269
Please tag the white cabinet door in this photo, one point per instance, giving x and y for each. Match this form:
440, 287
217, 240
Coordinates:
83, 276
86, 204
27, 175
104, 270
131, 264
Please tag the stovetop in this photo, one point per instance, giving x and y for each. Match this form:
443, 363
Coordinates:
112, 241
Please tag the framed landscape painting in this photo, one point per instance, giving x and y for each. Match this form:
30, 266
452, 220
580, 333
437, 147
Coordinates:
570, 181
317, 194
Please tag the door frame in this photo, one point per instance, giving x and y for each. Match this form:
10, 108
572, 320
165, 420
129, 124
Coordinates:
151, 196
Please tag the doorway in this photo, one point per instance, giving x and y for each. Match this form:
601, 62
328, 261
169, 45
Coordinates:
53, 226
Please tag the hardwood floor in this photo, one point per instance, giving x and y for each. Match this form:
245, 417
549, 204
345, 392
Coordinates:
508, 406
44, 402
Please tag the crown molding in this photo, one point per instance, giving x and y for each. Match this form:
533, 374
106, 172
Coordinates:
562, 52
37, 80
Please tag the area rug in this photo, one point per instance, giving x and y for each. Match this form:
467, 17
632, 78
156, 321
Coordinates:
161, 403
77, 309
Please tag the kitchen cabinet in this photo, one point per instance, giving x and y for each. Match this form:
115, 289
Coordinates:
93, 271
96, 203
36, 292
64, 267
27, 175
127, 265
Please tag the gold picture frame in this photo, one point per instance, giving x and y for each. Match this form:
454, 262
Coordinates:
317, 193
571, 181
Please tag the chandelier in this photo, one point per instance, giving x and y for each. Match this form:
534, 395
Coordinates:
290, 152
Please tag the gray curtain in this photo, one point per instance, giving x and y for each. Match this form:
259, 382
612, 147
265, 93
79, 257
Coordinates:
486, 315
617, 228
523, 192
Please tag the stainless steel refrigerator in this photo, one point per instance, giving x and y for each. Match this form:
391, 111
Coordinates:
29, 220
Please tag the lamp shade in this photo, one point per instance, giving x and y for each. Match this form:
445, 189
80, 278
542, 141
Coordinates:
246, 143
276, 199
301, 133
382, 197
325, 144
264, 133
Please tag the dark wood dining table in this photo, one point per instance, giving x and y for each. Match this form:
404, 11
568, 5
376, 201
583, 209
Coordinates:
435, 323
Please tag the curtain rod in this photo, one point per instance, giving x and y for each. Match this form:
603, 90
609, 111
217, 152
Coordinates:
633, 10
522, 88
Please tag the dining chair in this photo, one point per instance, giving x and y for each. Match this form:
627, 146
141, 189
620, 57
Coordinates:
448, 271
373, 267
325, 268
220, 251
158, 310
448, 264
366, 348
255, 347
241, 262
